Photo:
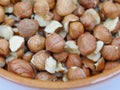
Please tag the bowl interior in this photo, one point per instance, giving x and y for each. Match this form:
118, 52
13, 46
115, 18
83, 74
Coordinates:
70, 84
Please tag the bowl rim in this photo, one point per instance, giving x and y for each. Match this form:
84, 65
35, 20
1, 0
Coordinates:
70, 84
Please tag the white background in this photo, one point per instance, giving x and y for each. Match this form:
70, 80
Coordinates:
111, 84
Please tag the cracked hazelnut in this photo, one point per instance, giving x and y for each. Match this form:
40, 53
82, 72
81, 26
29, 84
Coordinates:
36, 43
38, 59
103, 34
110, 52
86, 44
27, 27
21, 68
23, 9
73, 60
55, 43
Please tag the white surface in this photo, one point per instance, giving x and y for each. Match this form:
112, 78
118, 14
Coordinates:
111, 84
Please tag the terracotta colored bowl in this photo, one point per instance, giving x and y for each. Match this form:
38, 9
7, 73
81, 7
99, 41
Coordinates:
70, 84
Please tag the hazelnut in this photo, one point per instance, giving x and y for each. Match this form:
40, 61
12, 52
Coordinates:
116, 41
16, 42
110, 52
41, 7
76, 29
100, 64
4, 47
88, 21
86, 44
109, 9
27, 56
6, 32
100, 45
45, 76
103, 34
50, 65
15, 1
75, 73
112, 25
118, 1
87, 71
79, 11
110, 65
51, 3
2, 61
36, 43
61, 57
9, 22
67, 19
23, 9
38, 59
73, 60
65, 7
27, 27
2, 14
21, 68
61, 68
89, 3
56, 15
5, 2
55, 43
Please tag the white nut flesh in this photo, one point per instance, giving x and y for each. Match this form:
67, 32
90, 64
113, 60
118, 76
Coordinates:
16, 42
99, 46
53, 26
50, 65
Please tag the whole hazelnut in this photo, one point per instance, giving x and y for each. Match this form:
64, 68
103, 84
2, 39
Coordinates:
61, 57
86, 44
45, 76
4, 47
76, 29
2, 14
75, 73
23, 9
55, 43
41, 7
103, 34
38, 59
21, 68
27, 27
88, 21
36, 43
109, 9
73, 60
110, 65
110, 52
2, 61
89, 3
65, 7
4, 2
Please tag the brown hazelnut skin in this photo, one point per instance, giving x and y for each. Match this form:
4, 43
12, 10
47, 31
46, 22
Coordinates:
76, 29
110, 52
86, 44
109, 9
55, 43
38, 59
88, 21
61, 57
103, 34
2, 61
2, 14
116, 41
89, 3
15, 1
4, 2
23, 9
56, 15
51, 3
9, 22
4, 47
27, 27
21, 68
36, 43
73, 60
45, 76
110, 65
